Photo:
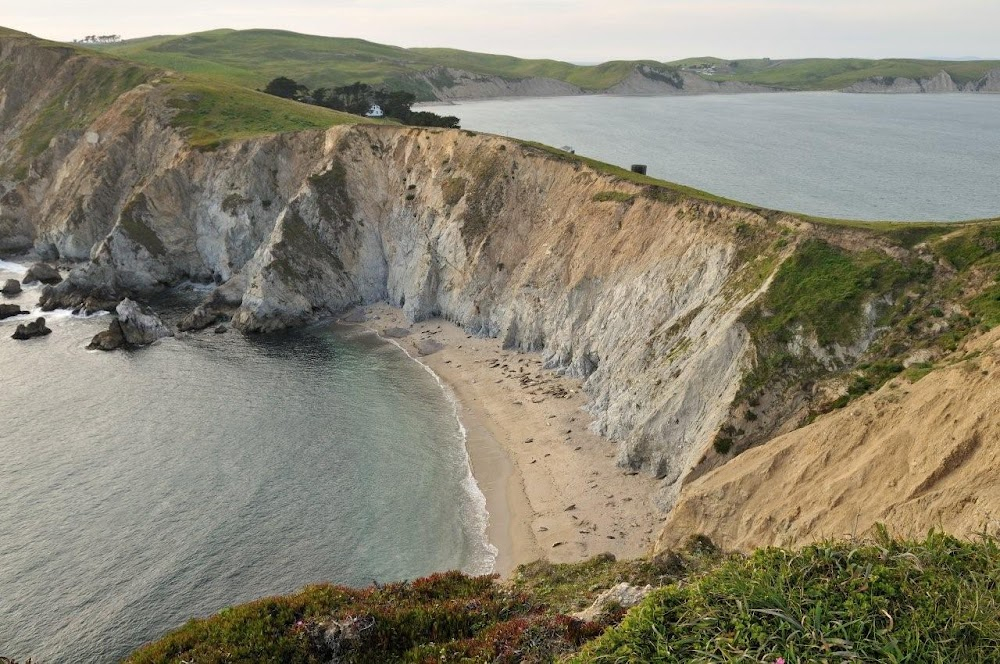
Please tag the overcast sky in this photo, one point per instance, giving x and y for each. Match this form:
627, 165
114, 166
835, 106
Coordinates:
575, 30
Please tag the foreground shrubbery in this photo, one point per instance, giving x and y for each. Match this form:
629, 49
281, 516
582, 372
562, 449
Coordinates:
937, 600
887, 601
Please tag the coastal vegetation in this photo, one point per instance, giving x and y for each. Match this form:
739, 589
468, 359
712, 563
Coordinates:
879, 599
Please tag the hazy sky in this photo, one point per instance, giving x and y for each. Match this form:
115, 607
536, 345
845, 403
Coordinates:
576, 30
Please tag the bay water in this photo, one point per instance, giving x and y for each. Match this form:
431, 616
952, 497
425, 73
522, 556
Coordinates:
918, 157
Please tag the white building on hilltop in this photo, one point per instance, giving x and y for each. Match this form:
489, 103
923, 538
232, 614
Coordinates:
375, 112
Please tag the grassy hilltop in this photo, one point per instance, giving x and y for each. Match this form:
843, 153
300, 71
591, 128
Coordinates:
253, 57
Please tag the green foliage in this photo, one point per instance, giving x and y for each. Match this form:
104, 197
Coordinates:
135, 227
870, 377
285, 87
986, 306
823, 288
917, 371
612, 196
937, 600
963, 249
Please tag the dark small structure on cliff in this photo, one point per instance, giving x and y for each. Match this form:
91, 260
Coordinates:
639, 168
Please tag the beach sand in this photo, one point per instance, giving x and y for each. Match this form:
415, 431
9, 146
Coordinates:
552, 487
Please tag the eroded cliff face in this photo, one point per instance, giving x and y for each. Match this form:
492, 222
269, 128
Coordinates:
942, 82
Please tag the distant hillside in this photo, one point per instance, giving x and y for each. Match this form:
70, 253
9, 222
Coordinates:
253, 57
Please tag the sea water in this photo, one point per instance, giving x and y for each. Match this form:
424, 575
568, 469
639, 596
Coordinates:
139, 489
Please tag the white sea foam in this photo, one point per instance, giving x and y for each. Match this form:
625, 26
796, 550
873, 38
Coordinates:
55, 315
475, 512
13, 268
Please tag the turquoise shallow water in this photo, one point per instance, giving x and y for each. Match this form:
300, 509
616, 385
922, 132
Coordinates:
140, 489
892, 157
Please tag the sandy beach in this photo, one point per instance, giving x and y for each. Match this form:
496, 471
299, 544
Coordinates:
552, 487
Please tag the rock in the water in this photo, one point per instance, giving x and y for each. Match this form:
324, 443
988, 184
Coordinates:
396, 333
8, 310
95, 303
110, 339
34, 329
623, 595
11, 287
221, 329
139, 327
42, 272
204, 315
428, 347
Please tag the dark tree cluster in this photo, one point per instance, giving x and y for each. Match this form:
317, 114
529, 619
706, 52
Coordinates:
98, 39
358, 98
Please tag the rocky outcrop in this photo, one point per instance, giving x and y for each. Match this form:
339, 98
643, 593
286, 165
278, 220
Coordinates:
942, 82
110, 339
621, 596
8, 310
647, 80
990, 82
11, 287
139, 326
35, 328
448, 84
42, 272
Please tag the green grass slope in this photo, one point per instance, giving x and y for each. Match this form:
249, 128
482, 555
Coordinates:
71, 86
253, 57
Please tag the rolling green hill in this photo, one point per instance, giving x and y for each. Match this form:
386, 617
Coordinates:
253, 57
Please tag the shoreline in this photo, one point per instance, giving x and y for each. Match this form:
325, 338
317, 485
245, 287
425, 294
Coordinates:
552, 488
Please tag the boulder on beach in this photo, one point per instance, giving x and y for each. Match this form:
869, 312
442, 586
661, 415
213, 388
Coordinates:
35, 328
356, 316
42, 272
112, 338
395, 332
11, 287
428, 347
8, 310
140, 327
221, 329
